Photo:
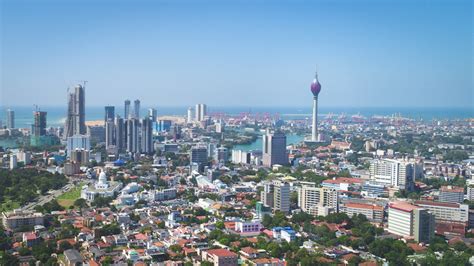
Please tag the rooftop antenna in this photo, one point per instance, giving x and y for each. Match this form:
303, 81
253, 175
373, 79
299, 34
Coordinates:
84, 82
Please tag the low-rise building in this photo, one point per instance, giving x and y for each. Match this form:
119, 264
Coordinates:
17, 219
221, 257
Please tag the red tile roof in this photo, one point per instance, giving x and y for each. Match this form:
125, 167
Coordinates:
220, 252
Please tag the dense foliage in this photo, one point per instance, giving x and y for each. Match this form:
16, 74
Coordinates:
25, 184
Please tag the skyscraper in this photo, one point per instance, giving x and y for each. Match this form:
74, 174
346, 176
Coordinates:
126, 113
281, 200
109, 113
75, 120
132, 137
189, 119
201, 111
120, 134
10, 118
146, 136
136, 109
39, 126
274, 149
152, 113
315, 89
109, 133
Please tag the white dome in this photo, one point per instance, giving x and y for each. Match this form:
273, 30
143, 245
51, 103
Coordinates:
102, 177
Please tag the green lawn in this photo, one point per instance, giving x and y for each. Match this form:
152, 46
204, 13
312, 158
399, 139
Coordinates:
9, 205
67, 199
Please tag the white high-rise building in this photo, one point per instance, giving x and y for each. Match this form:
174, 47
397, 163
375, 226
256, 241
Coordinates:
201, 111
410, 221
390, 172
13, 161
311, 199
81, 142
189, 118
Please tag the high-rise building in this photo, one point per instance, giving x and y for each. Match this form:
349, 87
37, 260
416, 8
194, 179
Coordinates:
10, 118
132, 134
147, 136
267, 194
75, 120
126, 114
274, 149
189, 118
201, 112
109, 133
221, 154
152, 114
120, 133
410, 221
392, 173
312, 198
13, 161
136, 109
281, 200
109, 113
451, 194
78, 142
199, 156
315, 89
39, 125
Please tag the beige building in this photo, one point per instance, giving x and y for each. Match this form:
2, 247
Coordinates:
17, 218
221, 257
311, 199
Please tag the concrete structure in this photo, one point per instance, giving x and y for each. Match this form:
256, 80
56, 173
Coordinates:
239, 156
451, 194
374, 213
102, 188
315, 90
136, 109
126, 113
16, 219
10, 118
189, 118
281, 200
72, 257
221, 257
201, 112
394, 173
109, 113
152, 114
311, 198
39, 125
410, 221
81, 142
199, 155
132, 135
248, 227
274, 149
147, 136
446, 212
75, 120
13, 161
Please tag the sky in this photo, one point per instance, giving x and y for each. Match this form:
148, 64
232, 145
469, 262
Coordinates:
378, 53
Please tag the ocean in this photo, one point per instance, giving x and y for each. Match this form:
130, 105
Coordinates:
57, 114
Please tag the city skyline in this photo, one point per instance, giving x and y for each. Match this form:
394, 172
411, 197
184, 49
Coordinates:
250, 50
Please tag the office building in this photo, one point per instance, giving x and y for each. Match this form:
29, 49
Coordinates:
109, 113
109, 133
200, 112
96, 133
10, 118
152, 114
39, 125
311, 199
75, 119
163, 125
79, 156
410, 221
120, 134
136, 109
23, 156
446, 211
394, 173
281, 200
147, 136
17, 219
267, 195
239, 156
274, 149
132, 135
470, 189
374, 213
199, 156
126, 113
13, 161
221, 154
80, 142
189, 118
451, 194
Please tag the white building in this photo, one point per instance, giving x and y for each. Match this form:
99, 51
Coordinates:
410, 221
451, 194
311, 199
446, 211
13, 161
281, 200
390, 172
102, 188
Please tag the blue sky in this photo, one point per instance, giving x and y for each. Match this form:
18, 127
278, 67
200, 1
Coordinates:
238, 53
